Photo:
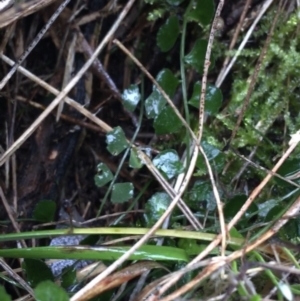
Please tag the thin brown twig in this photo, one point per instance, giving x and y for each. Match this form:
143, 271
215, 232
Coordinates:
223, 74
202, 112
10, 215
33, 43
290, 213
189, 214
23, 10
16, 277
173, 280
237, 254
64, 92
63, 116
286, 179
254, 76
104, 76
236, 32
107, 128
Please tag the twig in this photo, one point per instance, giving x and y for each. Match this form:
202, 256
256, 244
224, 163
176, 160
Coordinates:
33, 44
16, 277
236, 33
11, 217
254, 77
290, 213
222, 75
237, 254
65, 91
201, 118
23, 10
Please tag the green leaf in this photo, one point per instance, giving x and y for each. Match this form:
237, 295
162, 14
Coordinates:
213, 98
274, 213
36, 271
146, 252
167, 34
233, 206
134, 160
156, 207
103, 176
116, 141
131, 97
49, 291
214, 155
167, 81
169, 163
44, 211
167, 122
155, 102
235, 233
190, 245
255, 298
3, 294
175, 2
288, 168
68, 276
122, 192
196, 57
201, 12
265, 207
202, 191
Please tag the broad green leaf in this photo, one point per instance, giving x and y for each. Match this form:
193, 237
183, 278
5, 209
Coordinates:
44, 211
156, 207
213, 98
4, 296
116, 141
103, 176
290, 231
169, 163
190, 245
167, 34
214, 155
197, 56
201, 12
31, 266
134, 160
122, 192
274, 212
266, 206
200, 192
156, 102
68, 276
175, 2
233, 206
131, 97
288, 168
235, 233
49, 291
167, 122
167, 81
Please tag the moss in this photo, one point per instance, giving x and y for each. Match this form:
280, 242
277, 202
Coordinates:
274, 104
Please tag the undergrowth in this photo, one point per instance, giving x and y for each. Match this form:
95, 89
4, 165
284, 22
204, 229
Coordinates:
178, 31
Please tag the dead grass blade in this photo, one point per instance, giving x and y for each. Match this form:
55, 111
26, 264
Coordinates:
33, 43
119, 278
22, 10
66, 90
237, 254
